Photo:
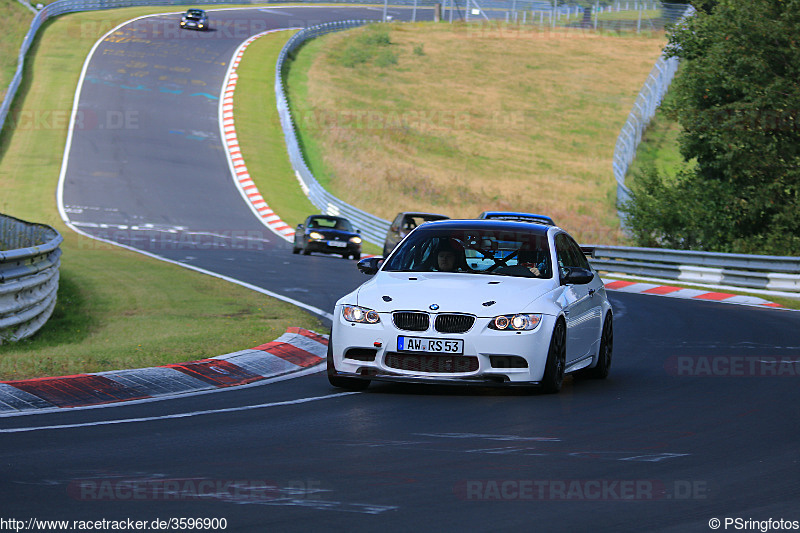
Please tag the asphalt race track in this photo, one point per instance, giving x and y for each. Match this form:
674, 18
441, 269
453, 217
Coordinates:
697, 421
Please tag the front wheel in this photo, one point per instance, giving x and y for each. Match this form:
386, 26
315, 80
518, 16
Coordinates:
603, 366
353, 384
556, 360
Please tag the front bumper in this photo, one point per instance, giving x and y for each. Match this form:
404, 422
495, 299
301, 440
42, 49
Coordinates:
490, 357
324, 247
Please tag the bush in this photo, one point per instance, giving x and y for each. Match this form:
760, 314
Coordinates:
386, 58
355, 55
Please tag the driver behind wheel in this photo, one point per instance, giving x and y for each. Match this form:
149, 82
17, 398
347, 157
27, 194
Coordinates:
450, 257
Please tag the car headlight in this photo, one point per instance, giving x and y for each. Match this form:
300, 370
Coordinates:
362, 315
317, 236
518, 322
355, 240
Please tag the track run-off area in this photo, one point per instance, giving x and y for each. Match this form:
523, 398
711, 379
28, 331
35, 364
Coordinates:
697, 421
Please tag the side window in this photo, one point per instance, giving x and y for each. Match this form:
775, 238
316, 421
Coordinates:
569, 254
396, 224
579, 259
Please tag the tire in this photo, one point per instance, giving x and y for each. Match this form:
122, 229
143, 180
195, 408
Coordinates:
353, 384
603, 366
305, 251
556, 360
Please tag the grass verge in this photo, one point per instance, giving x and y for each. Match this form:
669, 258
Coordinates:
16, 21
260, 135
659, 148
487, 117
259, 131
116, 309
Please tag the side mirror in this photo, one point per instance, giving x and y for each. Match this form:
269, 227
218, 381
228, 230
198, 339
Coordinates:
577, 276
300, 226
370, 265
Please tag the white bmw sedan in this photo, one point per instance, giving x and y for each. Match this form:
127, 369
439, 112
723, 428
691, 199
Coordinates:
480, 302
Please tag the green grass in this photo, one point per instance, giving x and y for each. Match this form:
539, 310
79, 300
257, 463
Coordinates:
490, 116
306, 118
16, 21
116, 309
659, 148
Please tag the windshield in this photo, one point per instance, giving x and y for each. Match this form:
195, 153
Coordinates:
484, 251
330, 223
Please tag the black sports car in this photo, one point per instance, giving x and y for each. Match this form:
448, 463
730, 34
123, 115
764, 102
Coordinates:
327, 234
195, 19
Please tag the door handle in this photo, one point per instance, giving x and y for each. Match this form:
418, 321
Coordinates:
591, 292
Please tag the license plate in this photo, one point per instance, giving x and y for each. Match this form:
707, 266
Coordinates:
420, 344
337, 244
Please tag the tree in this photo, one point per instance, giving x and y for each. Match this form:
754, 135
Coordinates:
737, 99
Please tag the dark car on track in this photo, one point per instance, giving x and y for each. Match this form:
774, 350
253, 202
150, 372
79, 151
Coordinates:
517, 217
195, 19
327, 234
403, 224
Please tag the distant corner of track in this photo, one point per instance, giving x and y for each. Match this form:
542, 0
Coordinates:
272, 223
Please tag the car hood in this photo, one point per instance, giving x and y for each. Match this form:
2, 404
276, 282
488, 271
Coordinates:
455, 293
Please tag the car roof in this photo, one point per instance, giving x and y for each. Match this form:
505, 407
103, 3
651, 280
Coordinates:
514, 215
195, 10
422, 214
332, 217
486, 224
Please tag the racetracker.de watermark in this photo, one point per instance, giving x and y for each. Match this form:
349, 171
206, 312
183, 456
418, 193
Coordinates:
85, 120
590, 490
167, 239
732, 366
418, 120
191, 489
167, 27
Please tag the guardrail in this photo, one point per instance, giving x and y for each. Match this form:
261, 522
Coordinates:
774, 273
29, 263
372, 228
